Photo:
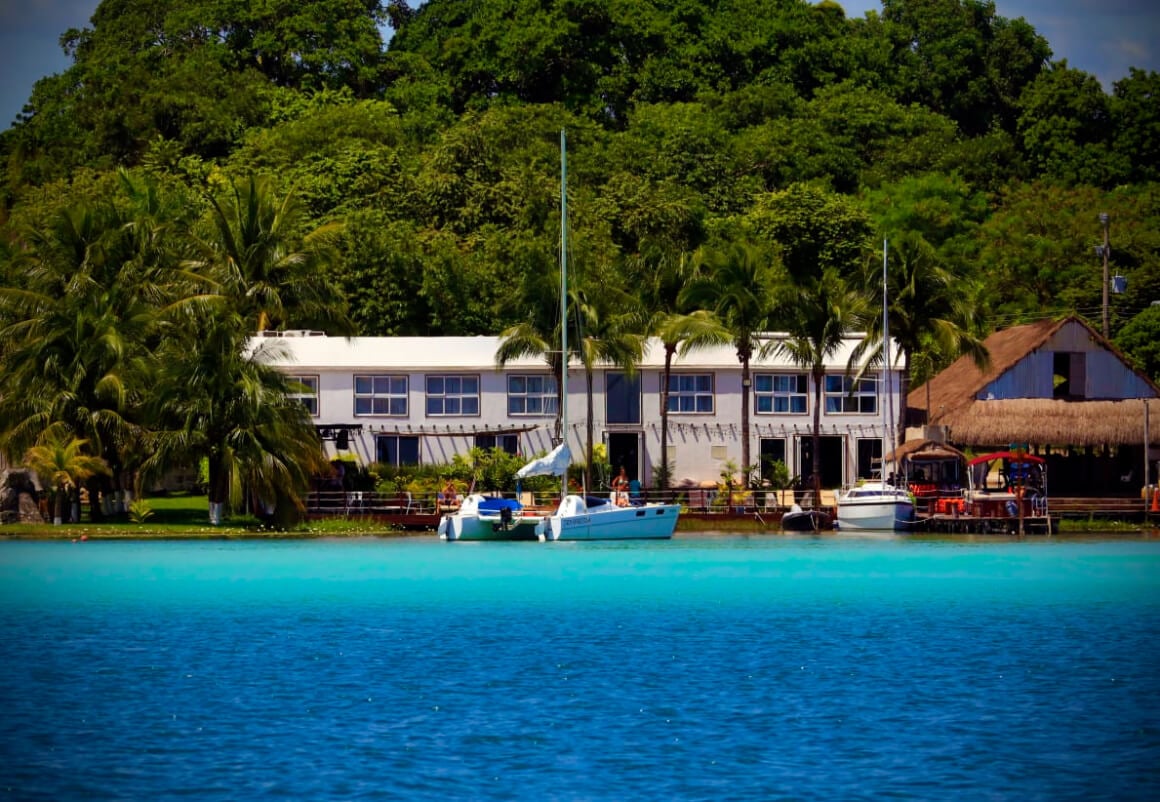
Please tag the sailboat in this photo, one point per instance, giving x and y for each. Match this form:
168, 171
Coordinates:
588, 517
483, 517
878, 505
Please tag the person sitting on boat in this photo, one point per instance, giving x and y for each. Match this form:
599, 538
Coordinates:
450, 494
620, 487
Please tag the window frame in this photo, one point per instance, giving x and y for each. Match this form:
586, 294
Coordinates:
773, 394
389, 395
508, 442
850, 398
307, 380
548, 397
382, 450
446, 396
693, 394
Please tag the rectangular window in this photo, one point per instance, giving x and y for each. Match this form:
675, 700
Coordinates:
509, 443
380, 395
691, 393
780, 393
622, 398
396, 450
452, 395
532, 395
844, 394
305, 389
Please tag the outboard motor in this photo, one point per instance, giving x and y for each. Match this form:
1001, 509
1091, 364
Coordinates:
505, 518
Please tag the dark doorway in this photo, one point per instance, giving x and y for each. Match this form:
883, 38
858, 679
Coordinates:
772, 450
624, 449
832, 459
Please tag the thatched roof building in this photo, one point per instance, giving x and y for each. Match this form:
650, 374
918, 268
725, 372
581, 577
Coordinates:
1054, 382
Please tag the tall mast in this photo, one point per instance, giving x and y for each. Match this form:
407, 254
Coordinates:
887, 398
564, 300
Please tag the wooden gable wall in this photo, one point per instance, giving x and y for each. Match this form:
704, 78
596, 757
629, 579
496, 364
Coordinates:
1101, 373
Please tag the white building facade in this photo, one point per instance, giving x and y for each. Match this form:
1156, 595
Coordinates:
409, 400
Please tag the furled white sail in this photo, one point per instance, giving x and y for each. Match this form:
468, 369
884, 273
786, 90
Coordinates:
554, 463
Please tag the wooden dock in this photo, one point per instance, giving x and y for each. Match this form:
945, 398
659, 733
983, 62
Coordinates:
970, 524
402, 511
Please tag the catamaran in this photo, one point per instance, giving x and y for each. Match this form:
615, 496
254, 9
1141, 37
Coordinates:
483, 517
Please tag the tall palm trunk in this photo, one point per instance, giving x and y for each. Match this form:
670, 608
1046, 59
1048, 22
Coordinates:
588, 432
903, 400
819, 376
58, 503
744, 353
670, 349
218, 490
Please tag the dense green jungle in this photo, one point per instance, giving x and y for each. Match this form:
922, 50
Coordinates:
209, 168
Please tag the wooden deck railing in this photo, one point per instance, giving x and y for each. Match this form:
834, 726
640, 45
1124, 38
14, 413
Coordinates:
696, 500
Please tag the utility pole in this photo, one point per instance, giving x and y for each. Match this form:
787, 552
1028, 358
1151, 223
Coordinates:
1105, 251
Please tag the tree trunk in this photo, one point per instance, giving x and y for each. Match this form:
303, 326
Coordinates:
95, 486
58, 505
743, 354
816, 437
666, 479
588, 432
903, 396
218, 491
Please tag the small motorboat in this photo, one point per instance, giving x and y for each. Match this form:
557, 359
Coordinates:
799, 520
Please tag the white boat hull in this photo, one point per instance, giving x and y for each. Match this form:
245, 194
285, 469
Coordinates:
875, 506
459, 527
575, 521
472, 523
888, 516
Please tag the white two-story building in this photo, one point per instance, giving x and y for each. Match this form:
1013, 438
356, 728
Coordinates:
407, 400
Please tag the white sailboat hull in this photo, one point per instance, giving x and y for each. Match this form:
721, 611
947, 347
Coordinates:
574, 520
893, 516
875, 506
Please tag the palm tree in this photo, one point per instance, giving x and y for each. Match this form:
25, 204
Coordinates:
241, 421
81, 307
606, 333
663, 271
61, 464
818, 312
538, 334
256, 248
682, 334
738, 286
930, 310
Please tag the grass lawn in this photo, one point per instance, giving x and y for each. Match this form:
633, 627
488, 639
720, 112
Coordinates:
187, 516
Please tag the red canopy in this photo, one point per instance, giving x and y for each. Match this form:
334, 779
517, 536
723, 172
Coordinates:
1010, 455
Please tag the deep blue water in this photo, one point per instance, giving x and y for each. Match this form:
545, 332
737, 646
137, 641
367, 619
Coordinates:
707, 668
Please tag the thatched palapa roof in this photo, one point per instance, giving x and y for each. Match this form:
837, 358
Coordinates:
954, 400
924, 448
1053, 421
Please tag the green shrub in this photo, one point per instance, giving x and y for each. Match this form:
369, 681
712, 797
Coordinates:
140, 511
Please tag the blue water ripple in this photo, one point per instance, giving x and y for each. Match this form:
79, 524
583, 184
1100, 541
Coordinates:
705, 668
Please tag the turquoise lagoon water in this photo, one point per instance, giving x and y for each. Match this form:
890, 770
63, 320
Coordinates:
707, 668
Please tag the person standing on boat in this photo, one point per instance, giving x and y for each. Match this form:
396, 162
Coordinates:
620, 487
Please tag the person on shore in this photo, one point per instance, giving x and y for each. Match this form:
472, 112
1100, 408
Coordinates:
620, 487
450, 494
